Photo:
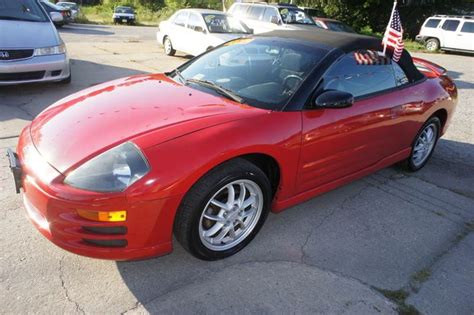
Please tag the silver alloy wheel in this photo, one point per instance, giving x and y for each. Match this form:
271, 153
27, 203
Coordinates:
168, 46
424, 144
431, 46
231, 215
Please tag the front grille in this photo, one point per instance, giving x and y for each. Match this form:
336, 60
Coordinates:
106, 230
21, 76
14, 54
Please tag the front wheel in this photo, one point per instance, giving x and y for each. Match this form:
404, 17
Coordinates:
169, 50
224, 210
424, 144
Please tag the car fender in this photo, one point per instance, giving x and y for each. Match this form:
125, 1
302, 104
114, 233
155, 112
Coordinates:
179, 163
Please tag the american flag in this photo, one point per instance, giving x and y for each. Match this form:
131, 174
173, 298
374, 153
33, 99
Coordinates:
394, 36
370, 57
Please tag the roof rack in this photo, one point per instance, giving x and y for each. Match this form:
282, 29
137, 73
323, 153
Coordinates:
468, 17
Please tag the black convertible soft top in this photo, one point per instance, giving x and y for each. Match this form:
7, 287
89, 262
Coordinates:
347, 42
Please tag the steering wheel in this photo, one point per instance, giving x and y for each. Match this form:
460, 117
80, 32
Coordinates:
290, 77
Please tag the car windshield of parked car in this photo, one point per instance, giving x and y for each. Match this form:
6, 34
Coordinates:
221, 23
124, 10
263, 72
22, 10
295, 16
53, 6
68, 5
339, 27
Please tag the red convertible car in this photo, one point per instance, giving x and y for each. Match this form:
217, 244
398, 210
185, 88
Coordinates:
206, 151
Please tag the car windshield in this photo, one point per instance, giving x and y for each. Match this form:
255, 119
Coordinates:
68, 5
221, 23
53, 6
124, 10
22, 10
339, 27
295, 16
262, 72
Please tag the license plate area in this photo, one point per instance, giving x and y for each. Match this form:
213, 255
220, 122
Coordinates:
15, 167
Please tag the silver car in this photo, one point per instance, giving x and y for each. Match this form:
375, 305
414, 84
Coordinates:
31, 49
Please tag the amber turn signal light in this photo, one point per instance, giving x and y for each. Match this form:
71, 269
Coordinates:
103, 216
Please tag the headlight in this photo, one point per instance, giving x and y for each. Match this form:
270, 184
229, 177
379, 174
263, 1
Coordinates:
111, 171
54, 50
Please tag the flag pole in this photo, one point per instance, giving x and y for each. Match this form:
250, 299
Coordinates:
389, 22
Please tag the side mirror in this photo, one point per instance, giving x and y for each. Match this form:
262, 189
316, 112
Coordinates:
251, 31
199, 29
56, 17
334, 99
275, 20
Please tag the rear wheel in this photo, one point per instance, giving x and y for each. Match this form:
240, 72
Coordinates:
424, 144
224, 211
432, 44
168, 47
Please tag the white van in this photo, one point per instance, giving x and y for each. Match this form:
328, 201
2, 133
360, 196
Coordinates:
448, 32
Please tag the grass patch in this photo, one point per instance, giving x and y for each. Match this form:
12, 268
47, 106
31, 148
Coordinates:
102, 14
422, 275
399, 297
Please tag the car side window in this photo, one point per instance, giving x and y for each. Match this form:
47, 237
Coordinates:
195, 21
432, 23
350, 75
400, 76
269, 14
180, 19
450, 25
468, 27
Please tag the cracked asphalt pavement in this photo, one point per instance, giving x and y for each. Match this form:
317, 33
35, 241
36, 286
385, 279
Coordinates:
390, 242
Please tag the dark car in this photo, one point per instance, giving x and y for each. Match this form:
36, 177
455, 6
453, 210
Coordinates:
66, 13
124, 15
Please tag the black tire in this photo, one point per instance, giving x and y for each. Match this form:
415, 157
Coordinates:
409, 163
432, 44
188, 216
169, 50
66, 81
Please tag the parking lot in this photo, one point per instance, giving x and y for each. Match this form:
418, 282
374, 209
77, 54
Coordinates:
391, 241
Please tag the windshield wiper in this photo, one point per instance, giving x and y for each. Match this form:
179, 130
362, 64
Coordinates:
180, 76
217, 88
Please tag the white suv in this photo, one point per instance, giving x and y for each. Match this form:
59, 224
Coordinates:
448, 32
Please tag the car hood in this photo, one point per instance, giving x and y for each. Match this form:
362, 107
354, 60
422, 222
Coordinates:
90, 122
21, 34
220, 38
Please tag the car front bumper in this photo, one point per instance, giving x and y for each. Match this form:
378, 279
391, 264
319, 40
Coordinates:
53, 207
127, 19
35, 69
